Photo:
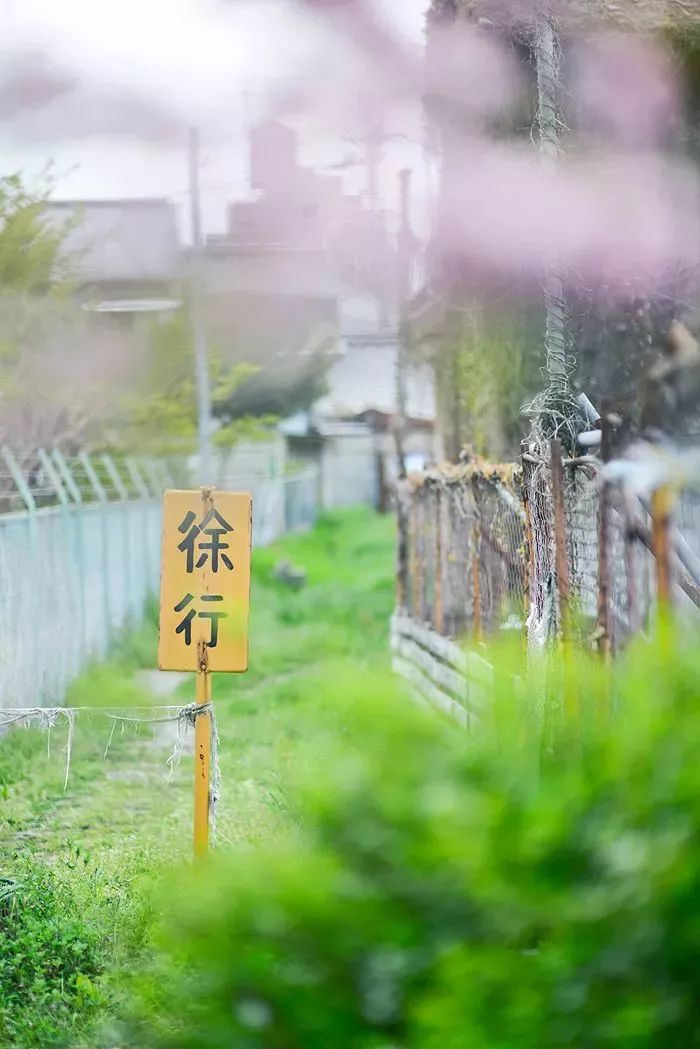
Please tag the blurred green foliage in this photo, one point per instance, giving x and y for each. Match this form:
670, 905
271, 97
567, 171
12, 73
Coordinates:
516, 888
278, 388
48, 961
487, 365
117, 812
72, 877
29, 246
159, 415
383, 879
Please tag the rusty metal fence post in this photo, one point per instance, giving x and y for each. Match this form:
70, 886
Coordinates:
529, 547
417, 551
402, 543
477, 610
561, 560
561, 569
661, 506
439, 606
462, 560
630, 544
603, 632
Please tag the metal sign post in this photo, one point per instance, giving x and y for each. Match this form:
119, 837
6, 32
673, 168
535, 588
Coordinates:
204, 605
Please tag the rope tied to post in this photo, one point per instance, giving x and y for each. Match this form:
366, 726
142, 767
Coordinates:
183, 717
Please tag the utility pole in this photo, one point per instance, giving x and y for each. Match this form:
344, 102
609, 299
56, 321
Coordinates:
404, 249
373, 157
373, 152
548, 105
199, 336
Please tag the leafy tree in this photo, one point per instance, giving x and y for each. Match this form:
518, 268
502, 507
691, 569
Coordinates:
159, 414
278, 392
59, 379
29, 245
54, 378
486, 367
67, 380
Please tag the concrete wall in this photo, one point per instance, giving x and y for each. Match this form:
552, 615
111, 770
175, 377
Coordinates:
349, 474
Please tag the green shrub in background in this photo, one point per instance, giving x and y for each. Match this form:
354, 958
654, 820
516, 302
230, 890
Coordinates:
50, 957
447, 891
66, 925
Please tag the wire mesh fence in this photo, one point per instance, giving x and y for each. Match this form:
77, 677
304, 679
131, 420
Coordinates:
609, 534
466, 563
80, 555
557, 545
282, 502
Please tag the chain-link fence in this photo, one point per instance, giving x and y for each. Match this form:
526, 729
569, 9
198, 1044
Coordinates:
282, 503
494, 549
80, 555
465, 566
560, 546
595, 563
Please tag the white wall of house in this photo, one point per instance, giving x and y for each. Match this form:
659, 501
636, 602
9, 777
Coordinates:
363, 378
349, 470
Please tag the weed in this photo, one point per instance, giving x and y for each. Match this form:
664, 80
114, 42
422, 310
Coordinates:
50, 959
102, 846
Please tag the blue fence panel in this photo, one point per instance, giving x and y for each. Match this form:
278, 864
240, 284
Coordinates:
71, 577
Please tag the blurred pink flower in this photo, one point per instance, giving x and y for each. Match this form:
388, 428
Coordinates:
624, 87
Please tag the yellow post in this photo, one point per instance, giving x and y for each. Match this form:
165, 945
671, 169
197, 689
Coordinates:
204, 602
202, 762
661, 508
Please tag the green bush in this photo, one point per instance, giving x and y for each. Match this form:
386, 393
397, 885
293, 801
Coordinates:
446, 891
49, 959
593, 882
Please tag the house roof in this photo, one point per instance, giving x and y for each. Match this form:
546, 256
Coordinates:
119, 240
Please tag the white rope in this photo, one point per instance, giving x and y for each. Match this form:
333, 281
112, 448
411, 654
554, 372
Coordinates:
46, 719
70, 718
109, 741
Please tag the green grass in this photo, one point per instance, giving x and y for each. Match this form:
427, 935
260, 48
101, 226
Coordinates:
81, 863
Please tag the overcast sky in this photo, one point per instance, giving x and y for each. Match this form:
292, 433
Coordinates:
106, 90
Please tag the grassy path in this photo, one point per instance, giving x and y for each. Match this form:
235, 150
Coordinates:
119, 821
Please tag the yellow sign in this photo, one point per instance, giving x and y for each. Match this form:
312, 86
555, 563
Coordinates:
205, 581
